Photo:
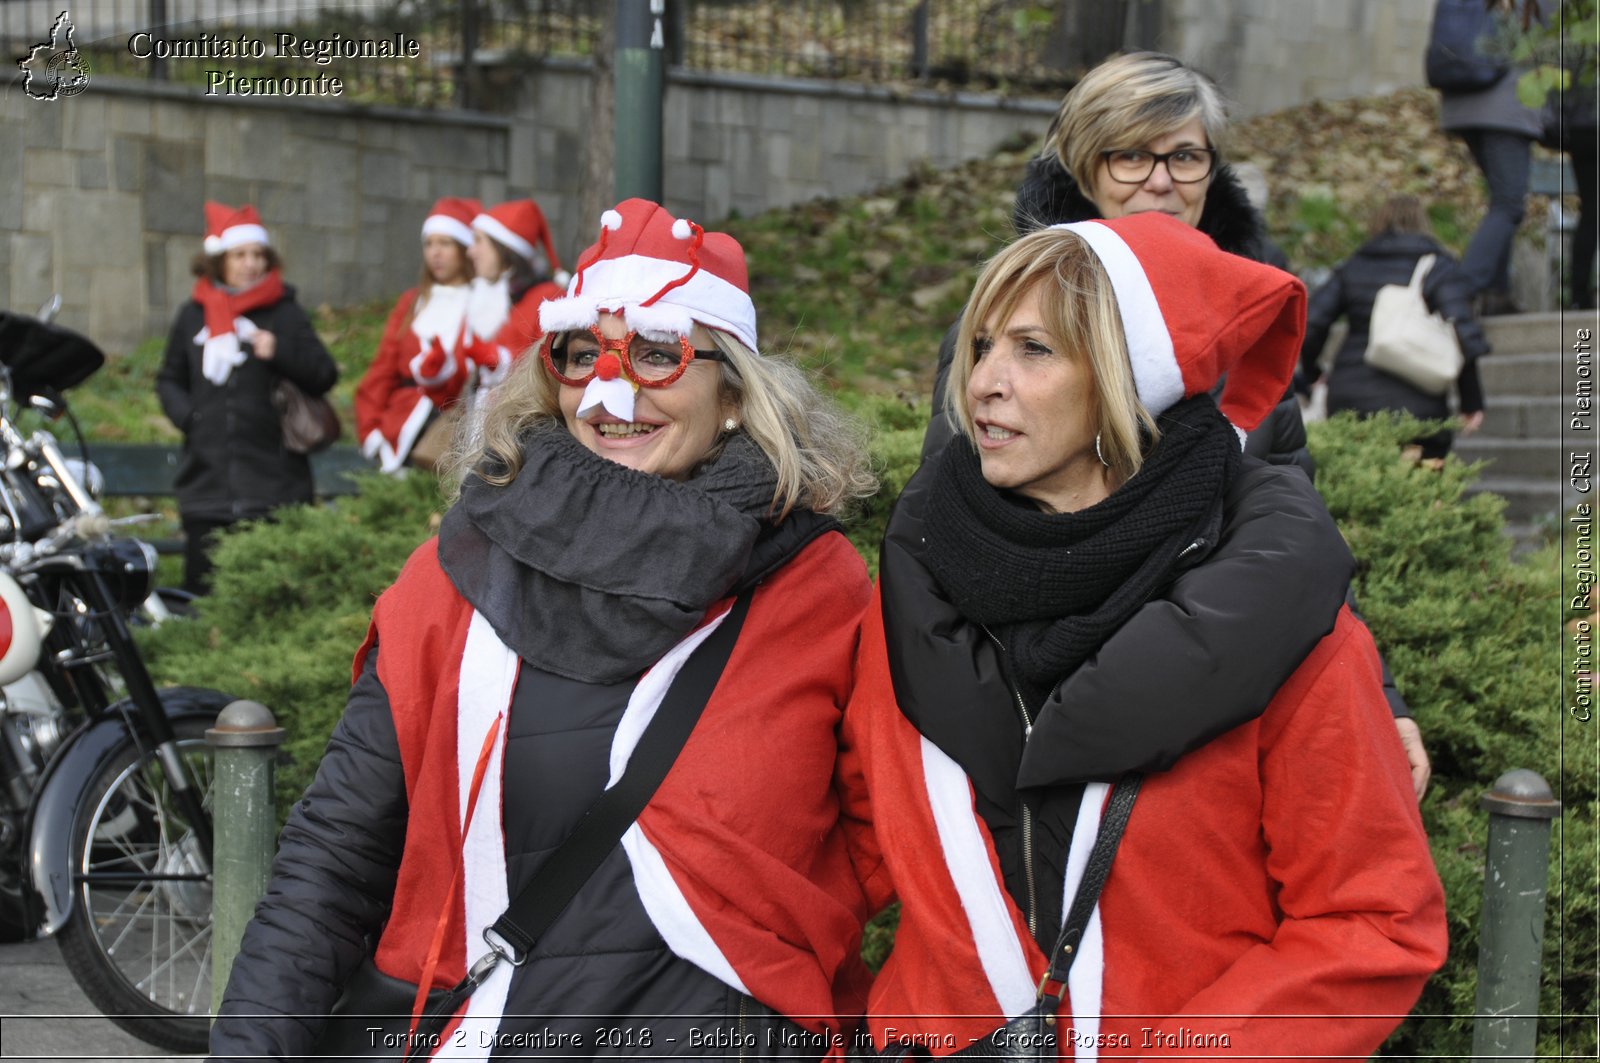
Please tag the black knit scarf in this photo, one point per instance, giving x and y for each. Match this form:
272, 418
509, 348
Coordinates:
1053, 586
592, 570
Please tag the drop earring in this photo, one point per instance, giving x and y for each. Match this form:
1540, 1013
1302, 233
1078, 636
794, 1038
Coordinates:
1097, 453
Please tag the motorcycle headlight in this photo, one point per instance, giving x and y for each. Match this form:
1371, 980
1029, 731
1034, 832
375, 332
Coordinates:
128, 567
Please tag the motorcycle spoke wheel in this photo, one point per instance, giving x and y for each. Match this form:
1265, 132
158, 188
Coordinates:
138, 940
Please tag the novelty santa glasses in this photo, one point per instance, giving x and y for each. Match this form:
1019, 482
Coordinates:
575, 358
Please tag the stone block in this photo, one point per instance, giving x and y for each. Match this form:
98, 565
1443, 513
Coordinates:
383, 173
92, 171
116, 309
11, 192
155, 274
280, 201
718, 197
777, 112
43, 124
32, 270
101, 231
84, 124
705, 142
174, 174
48, 167
129, 117
171, 120
329, 170
127, 163
675, 116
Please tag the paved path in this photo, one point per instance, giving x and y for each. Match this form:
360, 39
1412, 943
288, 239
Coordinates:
44, 1016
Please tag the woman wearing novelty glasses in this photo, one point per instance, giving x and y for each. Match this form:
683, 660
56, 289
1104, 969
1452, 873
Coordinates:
647, 470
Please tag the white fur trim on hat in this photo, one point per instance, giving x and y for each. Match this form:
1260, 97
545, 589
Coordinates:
237, 236
444, 225
494, 227
1156, 374
619, 285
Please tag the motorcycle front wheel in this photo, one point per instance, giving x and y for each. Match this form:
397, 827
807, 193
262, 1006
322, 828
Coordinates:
138, 940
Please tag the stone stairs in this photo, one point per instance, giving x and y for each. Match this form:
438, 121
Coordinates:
1527, 384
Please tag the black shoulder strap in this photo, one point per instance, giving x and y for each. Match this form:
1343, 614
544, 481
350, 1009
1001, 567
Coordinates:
1095, 872
566, 870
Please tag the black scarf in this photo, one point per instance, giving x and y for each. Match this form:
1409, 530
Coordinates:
1053, 586
592, 570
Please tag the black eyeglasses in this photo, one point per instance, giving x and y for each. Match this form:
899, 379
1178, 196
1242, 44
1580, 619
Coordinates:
1131, 166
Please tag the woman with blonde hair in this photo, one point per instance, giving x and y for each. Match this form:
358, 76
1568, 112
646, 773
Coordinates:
1113, 828
647, 485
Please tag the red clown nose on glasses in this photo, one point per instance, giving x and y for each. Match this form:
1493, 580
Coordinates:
662, 275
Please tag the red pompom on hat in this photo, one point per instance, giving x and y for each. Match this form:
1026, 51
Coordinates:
1192, 314
662, 274
519, 224
229, 227
452, 216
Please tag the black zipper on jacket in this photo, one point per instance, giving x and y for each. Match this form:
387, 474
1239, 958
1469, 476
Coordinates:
1027, 813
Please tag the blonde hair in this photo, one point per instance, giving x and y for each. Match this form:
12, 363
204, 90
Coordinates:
1079, 310
1399, 214
818, 451
1126, 102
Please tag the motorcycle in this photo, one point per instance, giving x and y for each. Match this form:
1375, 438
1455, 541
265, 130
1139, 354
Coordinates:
105, 828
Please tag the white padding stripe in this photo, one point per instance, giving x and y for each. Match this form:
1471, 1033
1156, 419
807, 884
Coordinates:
491, 226
445, 225
1085, 980
409, 431
625, 282
663, 899
488, 677
966, 858
1156, 374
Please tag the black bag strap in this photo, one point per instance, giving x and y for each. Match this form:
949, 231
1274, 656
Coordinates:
566, 870
1087, 896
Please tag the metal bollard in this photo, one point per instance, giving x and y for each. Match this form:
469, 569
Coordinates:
1511, 935
246, 739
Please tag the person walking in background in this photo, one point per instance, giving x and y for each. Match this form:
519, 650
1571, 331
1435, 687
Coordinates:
1036, 648
1499, 132
239, 333
517, 270
394, 409
641, 472
1398, 238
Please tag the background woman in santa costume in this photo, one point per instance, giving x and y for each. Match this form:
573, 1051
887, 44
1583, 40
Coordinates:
644, 469
1093, 582
394, 408
240, 330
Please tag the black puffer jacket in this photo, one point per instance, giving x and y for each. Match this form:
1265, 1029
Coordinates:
1187, 666
1049, 196
1390, 258
235, 466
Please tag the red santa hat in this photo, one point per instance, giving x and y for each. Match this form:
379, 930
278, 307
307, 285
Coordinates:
662, 274
1192, 314
229, 227
519, 224
452, 216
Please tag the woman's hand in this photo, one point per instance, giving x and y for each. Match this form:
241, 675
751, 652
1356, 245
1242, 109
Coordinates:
264, 345
1471, 422
1416, 755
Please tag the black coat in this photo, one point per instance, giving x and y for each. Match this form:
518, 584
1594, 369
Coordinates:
1049, 196
235, 466
1390, 258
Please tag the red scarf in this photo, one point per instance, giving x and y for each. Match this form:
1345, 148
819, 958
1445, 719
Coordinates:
222, 306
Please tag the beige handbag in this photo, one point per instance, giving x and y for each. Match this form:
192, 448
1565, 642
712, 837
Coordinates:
1408, 340
434, 442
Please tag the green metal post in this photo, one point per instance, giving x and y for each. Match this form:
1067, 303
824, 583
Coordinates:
640, 80
246, 739
1511, 936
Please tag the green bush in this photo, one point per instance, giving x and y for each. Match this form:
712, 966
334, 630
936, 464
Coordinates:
1469, 632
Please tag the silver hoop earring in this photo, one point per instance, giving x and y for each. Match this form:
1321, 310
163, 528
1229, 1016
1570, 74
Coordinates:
730, 425
1097, 453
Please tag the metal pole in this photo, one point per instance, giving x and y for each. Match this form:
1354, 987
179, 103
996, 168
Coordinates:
919, 41
640, 79
246, 739
467, 86
158, 27
1511, 935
